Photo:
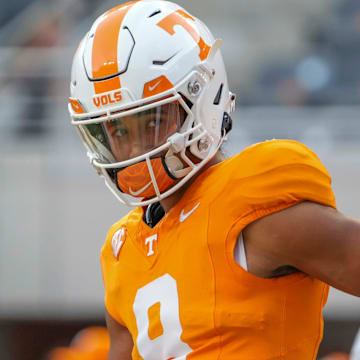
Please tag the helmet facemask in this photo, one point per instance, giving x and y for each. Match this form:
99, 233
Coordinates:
143, 151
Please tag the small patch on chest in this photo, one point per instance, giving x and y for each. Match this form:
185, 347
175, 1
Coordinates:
117, 242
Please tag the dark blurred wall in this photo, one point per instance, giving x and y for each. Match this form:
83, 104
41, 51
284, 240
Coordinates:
31, 340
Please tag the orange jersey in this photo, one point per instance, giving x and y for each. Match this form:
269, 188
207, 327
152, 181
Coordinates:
177, 287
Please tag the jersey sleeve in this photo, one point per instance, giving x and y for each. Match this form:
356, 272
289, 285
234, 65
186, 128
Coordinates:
276, 174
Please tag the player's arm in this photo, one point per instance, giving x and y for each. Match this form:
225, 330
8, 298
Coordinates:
315, 239
121, 343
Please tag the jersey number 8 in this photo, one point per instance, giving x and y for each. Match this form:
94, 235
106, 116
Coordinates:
156, 308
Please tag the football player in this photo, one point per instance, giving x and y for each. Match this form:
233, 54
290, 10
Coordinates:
221, 258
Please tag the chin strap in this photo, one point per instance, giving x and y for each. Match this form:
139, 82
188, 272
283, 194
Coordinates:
174, 166
172, 163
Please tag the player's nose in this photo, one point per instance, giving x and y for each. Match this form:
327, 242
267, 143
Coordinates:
136, 149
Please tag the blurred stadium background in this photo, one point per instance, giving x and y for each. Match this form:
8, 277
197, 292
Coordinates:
295, 66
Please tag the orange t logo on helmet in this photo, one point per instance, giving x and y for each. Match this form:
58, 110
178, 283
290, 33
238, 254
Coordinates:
179, 18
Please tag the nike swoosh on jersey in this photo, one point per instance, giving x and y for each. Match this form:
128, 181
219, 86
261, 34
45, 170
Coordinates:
137, 193
184, 216
152, 88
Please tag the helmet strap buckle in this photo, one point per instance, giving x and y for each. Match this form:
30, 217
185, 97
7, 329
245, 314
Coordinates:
177, 142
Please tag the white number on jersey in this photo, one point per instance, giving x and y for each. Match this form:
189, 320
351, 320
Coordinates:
167, 345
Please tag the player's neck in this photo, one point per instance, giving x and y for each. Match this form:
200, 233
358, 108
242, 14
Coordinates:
173, 199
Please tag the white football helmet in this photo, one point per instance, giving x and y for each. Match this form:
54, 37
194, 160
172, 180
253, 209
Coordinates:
150, 98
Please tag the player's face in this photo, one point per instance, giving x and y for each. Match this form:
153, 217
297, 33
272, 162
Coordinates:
137, 134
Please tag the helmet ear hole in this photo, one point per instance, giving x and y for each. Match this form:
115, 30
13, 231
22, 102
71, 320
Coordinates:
227, 123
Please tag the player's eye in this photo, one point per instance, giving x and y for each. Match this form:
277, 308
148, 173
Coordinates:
119, 132
153, 123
